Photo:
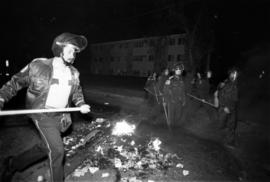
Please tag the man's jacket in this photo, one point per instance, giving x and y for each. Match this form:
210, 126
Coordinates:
228, 95
175, 90
37, 77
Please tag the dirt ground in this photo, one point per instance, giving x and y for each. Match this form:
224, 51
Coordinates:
204, 158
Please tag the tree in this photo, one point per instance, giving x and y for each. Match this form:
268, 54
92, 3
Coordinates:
195, 20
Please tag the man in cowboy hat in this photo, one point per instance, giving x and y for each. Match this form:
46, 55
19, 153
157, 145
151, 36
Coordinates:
50, 83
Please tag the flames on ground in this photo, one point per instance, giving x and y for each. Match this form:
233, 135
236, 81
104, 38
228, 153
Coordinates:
118, 149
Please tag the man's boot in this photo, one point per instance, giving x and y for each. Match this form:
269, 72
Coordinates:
8, 171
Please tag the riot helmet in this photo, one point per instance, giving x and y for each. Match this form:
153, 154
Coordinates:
178, 68
78, 42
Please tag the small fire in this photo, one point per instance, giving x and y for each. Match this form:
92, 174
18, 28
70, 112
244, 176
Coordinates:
123, 128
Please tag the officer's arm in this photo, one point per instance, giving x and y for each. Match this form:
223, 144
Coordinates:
77, 96
78, 100
216, 100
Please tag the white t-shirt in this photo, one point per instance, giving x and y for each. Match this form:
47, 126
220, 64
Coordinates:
59, 92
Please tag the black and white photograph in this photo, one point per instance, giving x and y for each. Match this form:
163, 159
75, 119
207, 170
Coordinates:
135, 91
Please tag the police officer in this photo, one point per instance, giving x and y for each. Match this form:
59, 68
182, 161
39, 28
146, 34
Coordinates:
161, 81
151, 89
203, 86
50, 83
174, 95
227, 97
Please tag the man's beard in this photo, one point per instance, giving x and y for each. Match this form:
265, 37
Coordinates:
68, 63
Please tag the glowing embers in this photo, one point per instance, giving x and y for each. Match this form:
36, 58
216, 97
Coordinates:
123, 128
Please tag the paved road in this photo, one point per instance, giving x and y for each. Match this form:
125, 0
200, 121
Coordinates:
204, 158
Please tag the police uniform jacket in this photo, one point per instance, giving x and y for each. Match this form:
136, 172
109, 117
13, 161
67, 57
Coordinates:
228, 95
175, 91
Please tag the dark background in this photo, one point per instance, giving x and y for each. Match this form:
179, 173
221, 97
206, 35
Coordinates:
28, 27
240, 30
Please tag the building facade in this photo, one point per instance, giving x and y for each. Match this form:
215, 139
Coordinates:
137, 57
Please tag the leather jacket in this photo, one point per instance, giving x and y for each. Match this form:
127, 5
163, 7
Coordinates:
37, 77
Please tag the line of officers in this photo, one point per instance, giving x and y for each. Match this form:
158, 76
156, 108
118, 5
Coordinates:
174, 91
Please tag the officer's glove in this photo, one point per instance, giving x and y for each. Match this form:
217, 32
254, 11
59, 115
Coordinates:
85, 108
168, 82
226, 110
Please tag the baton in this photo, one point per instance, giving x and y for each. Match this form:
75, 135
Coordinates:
201, 100
166, 115
156, 94
33, 111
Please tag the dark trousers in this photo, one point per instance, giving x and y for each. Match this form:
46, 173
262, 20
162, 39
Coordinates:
175, 111
52, 147
228, 122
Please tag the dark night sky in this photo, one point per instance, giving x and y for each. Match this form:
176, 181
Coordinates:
30, 26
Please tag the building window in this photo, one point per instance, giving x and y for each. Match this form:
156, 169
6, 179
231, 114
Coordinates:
180, 41
138, 58
171, 41
150, 58
139, 43
126, 45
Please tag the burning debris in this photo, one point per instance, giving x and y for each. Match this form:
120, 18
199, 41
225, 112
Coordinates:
119, 150
123, 128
